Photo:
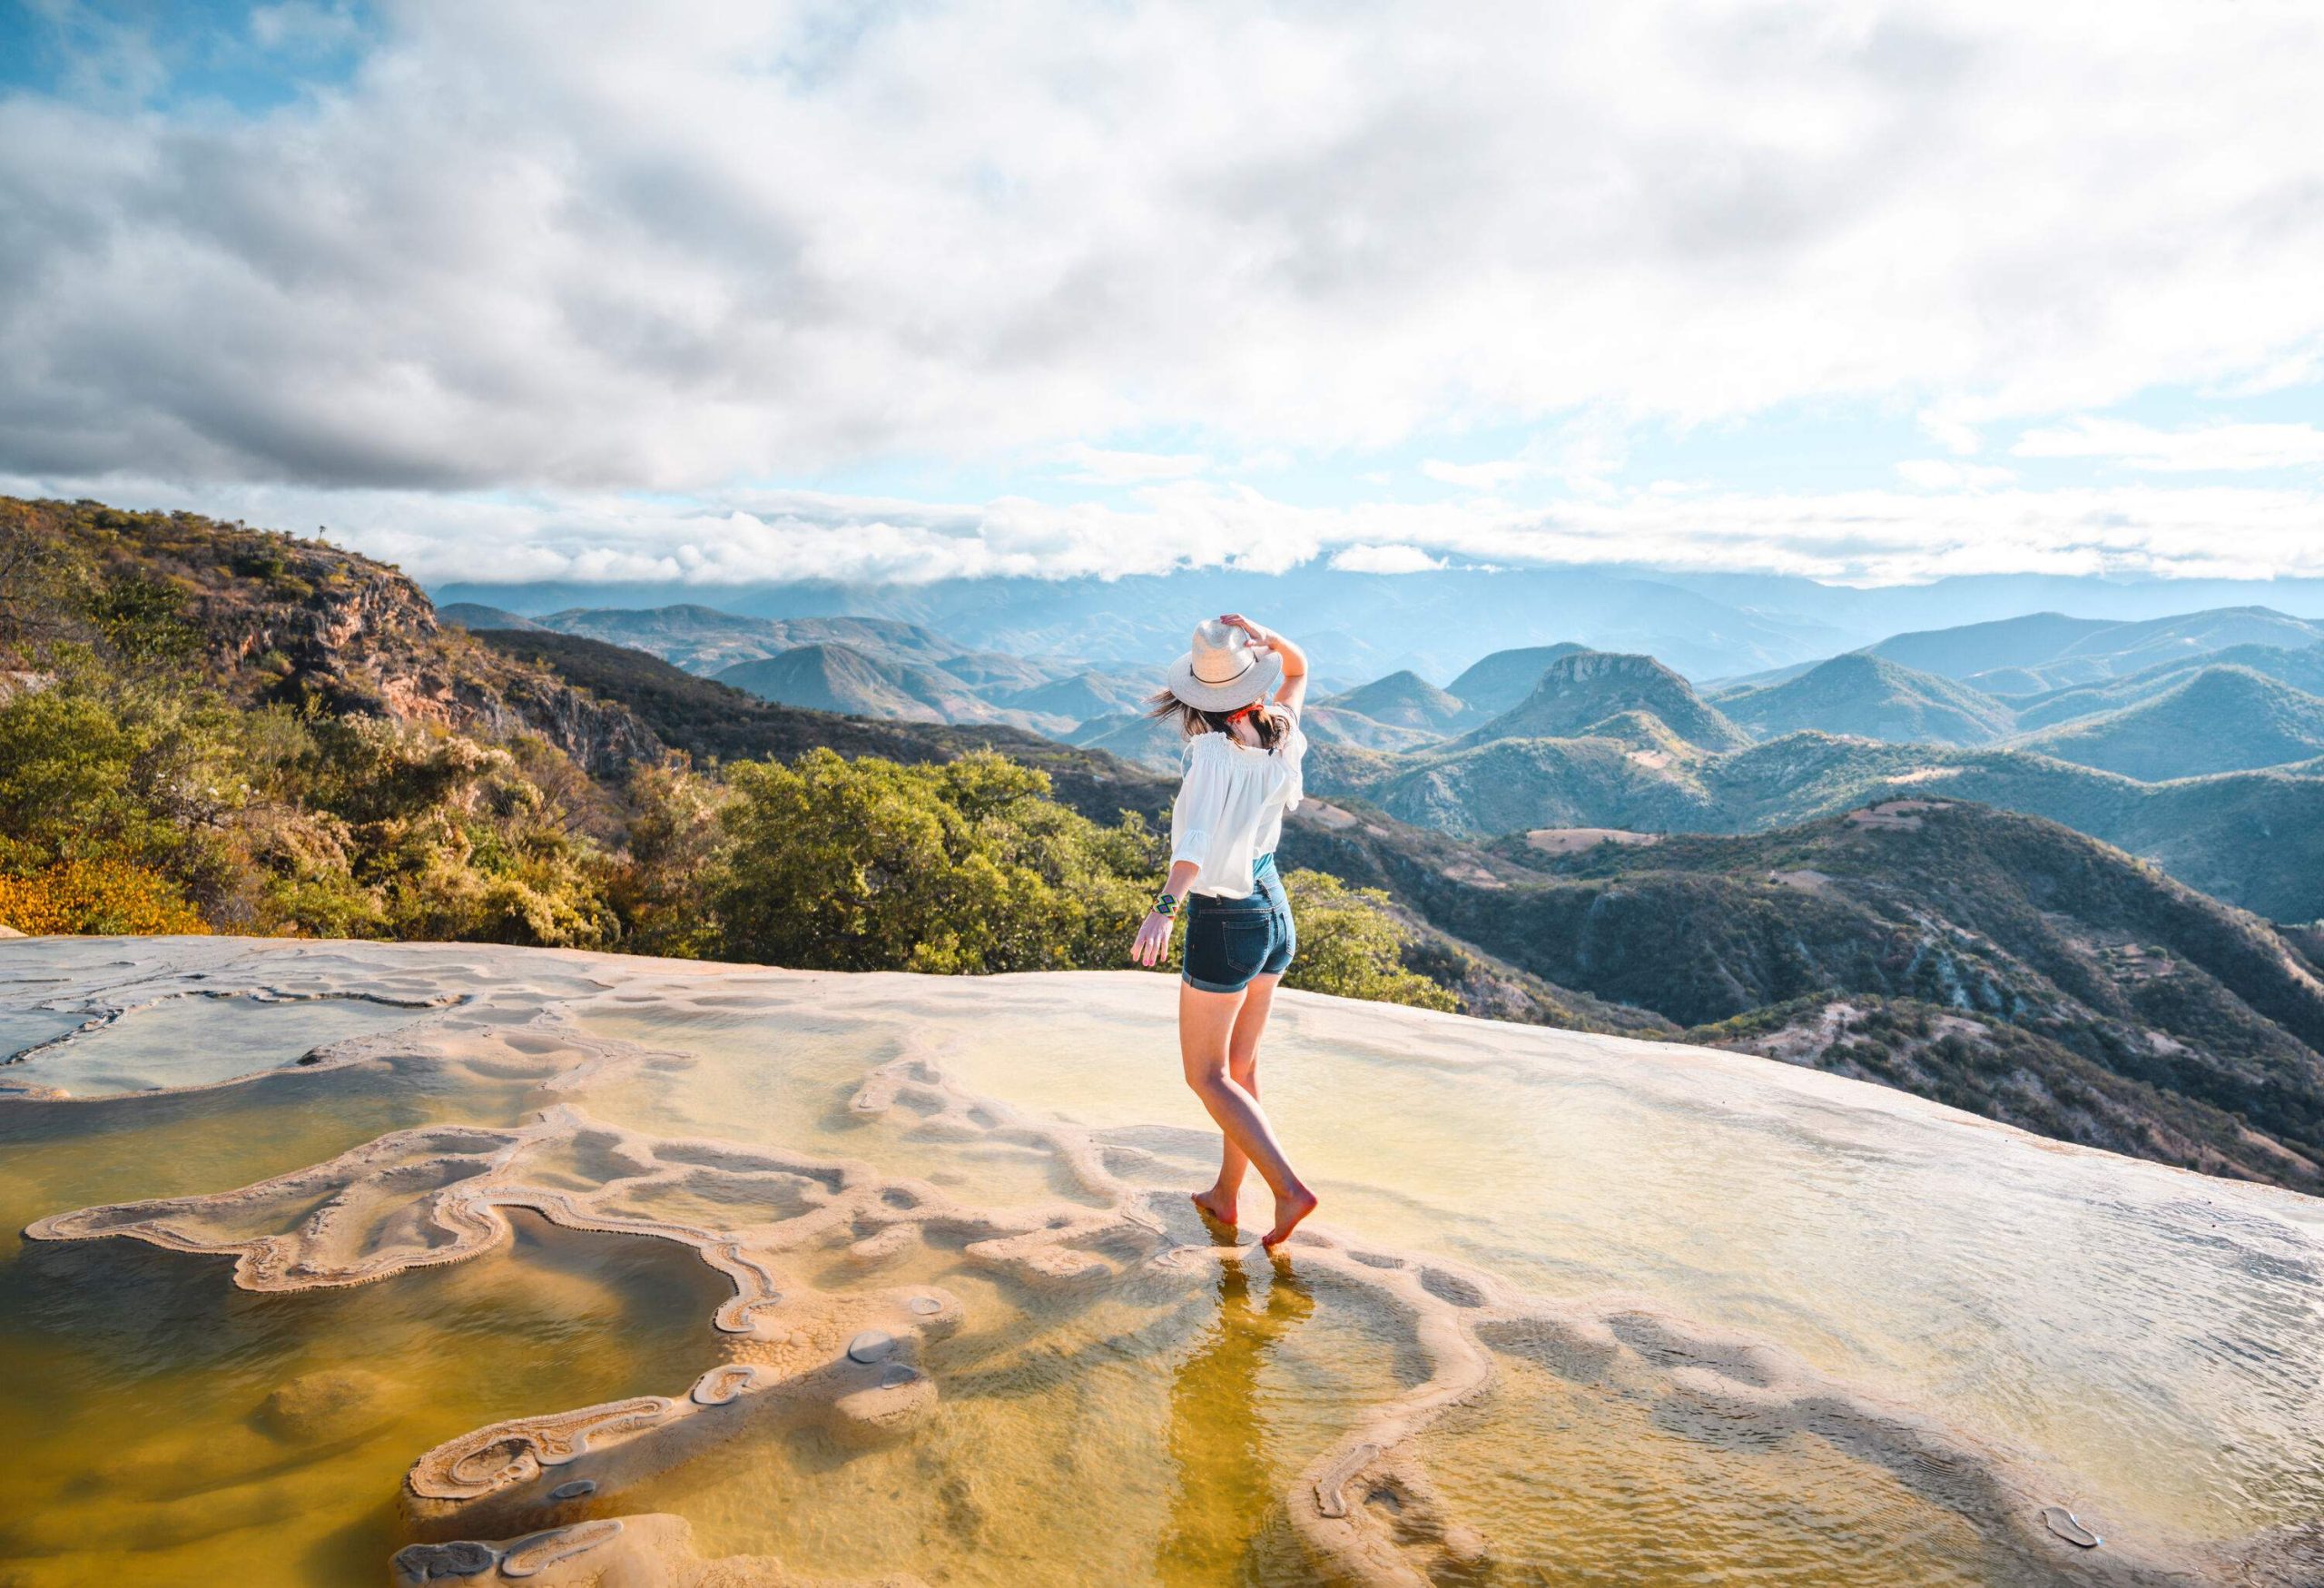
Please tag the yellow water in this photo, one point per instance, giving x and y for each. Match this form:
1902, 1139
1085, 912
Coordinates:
2150, 1337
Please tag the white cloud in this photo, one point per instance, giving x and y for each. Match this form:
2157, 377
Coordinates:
1105, 465
1385, 560
559, 246
1943, 474
1866, 536
1481, 476
2213, 447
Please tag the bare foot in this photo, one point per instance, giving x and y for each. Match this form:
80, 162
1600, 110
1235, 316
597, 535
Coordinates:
1218, 1210
1288, 1211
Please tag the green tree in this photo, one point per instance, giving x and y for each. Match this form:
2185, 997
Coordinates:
1350, 944
966, 866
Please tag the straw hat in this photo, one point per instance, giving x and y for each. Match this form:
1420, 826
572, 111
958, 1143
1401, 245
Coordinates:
1223, 672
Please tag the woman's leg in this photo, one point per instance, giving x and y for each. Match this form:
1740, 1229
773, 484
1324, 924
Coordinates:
1205, 1028
1243, 1069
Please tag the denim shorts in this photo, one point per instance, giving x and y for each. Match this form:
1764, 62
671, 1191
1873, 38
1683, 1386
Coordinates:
1230, 940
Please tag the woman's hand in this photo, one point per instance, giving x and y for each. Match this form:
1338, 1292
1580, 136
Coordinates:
1153, 942
1259, 636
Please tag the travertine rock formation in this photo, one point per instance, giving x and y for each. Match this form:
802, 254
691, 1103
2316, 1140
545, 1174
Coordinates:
826, 1329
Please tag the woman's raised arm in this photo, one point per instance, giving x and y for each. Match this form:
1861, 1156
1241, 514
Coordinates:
1293, 690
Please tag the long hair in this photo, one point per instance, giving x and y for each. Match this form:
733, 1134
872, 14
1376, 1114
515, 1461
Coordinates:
1268, 719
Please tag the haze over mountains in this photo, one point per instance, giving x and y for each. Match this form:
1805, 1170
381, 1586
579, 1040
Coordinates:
1436, 622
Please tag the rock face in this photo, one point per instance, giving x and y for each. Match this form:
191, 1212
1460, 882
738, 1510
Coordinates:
294, 620
952, 1332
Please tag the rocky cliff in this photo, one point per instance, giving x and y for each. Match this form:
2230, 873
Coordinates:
277, 618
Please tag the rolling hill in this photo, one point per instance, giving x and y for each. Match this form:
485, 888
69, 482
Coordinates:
1584, 689
1403, 700
1078, 696
2222, 719
714, 722
1329, 724
1998, 963
469, 614
1503, 679
2253, 838
837, 677
703, 639
2301, 668
2049, 651
2024, 971
1872, 698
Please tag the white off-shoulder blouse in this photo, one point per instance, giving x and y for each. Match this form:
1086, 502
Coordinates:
1230, 806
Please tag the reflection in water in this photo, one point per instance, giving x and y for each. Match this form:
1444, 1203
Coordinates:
1223, 1495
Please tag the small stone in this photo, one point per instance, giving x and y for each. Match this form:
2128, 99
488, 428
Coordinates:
2068, 1526
580, 1488
926, 1305
871, 1345
896, 1375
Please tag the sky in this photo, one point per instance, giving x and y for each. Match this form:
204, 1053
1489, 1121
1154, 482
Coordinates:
726, 293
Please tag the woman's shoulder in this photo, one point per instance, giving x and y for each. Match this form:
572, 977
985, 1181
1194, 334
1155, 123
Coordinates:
1208, 747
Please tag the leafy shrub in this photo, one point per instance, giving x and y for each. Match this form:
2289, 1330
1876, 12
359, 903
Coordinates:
1350, 945
100, 897
962, 866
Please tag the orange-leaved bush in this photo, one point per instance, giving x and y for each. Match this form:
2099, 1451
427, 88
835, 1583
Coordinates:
111, 898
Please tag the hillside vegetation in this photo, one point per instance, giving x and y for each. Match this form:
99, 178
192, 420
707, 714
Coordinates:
1874, 698
1586, 689
2049, 651
2303, 669
2253, 838
2222, 719
865, 666
1984, 917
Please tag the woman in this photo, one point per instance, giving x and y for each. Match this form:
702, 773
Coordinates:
1236, 695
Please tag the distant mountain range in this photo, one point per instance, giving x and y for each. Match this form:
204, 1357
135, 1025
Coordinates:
2210, 761
1710, 627
2048, 651
863, 667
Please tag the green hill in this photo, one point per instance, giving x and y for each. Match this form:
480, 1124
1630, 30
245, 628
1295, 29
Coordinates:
2087, 995
1971, 648
2254, 838
1584, 689
1403, 700
469, 614
831, 677
1504, 678
2302, 668
702, 639
2048, 651
1872, 698
715, 723
837, 677
2222, 719
1330, 724
1078, 696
